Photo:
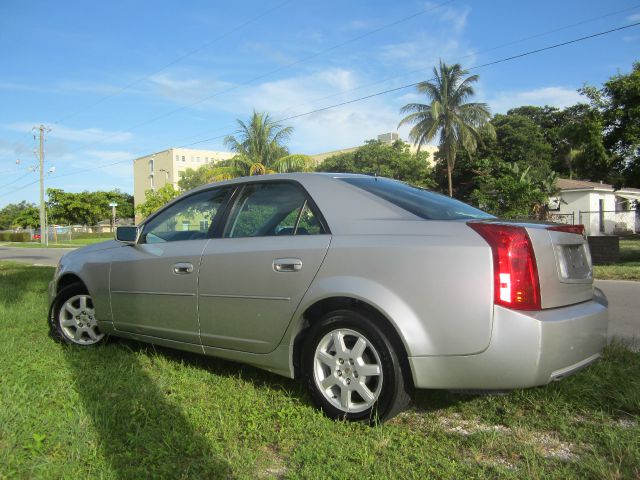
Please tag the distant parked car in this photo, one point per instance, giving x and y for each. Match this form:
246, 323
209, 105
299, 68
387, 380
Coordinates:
363, 287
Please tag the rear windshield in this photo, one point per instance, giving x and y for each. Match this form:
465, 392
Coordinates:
420, 202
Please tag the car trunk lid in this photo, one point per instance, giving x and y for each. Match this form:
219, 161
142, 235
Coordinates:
564, 264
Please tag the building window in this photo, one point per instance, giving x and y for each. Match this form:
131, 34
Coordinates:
177, 158
151, 166
204, 225
151, 182
185, 225
183, 159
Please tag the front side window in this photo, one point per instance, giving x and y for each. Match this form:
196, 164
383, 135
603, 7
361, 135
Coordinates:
185, 219
268, 209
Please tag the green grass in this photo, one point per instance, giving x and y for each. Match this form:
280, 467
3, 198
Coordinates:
628, 268
127, 410
73, 243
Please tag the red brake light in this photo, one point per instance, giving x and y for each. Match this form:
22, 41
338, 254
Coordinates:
516, 283
577, 229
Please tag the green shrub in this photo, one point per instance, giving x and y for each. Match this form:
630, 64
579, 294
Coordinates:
15, 236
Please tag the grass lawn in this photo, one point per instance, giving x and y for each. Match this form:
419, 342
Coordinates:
628, 268
126, 410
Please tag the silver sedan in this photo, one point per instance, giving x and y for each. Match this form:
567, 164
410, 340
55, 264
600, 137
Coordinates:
363, 287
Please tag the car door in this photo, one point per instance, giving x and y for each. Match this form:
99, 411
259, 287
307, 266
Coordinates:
154, 283
254, 276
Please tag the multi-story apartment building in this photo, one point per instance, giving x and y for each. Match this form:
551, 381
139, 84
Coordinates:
157, 169
387, 138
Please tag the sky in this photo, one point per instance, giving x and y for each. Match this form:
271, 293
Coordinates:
119, 80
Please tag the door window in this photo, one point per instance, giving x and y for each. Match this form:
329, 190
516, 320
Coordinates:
267, 209
185, 219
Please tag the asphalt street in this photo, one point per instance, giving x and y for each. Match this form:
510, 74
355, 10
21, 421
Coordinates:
35, 256
623, 296
624, 307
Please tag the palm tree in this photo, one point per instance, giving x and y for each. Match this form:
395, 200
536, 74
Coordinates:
458, 123
259, 147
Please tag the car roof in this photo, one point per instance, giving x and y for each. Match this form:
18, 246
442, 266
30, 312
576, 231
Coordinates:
344, 206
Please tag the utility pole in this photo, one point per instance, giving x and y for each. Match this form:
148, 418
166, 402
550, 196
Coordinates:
43, 220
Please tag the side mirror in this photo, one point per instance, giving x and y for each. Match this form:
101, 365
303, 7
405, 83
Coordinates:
128, 235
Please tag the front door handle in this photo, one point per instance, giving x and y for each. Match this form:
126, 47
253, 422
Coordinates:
183, 268
287, 264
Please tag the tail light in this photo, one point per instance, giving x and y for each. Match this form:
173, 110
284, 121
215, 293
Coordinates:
516, 283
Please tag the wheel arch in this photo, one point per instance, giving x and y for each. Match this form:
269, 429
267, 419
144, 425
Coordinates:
69, 279
320, 308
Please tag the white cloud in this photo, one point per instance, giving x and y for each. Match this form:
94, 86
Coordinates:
60, 132
634, 18
185, 88
342, 127
443, 40
553, 96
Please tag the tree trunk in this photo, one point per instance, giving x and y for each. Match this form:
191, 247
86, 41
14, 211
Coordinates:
450, 184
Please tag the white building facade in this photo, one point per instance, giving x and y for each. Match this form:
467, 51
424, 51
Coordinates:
597, 206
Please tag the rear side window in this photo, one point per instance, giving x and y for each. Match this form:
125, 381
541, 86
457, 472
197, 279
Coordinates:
268, 209
420, 202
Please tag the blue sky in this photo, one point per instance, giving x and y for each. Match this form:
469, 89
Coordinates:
121, 79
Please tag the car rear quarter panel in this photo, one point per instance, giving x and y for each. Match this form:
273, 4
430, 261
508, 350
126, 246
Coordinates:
434, 283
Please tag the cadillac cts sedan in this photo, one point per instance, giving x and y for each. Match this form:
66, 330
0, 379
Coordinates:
363, 287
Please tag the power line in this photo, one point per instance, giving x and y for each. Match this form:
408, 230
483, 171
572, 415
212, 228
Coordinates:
414, 84
19, 188
279, 69
17, 179
478, 52
173, 62
391, 90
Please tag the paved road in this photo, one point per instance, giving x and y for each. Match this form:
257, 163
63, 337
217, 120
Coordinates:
34, 256
624, 307
624, 297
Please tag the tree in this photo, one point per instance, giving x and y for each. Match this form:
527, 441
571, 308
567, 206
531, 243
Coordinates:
86, 208
260, 149
156, 199
377, 158
618, 101
28, 217
19, 215
515, 140
458, 124
513, 193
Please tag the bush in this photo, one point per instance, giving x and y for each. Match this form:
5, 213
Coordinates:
15, 237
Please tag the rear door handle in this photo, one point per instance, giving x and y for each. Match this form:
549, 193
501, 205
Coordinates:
183, 268
287, 264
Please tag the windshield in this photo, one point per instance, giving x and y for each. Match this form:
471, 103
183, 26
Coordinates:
420, 202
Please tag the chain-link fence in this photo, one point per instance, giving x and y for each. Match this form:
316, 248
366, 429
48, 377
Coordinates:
60, 234
609, 222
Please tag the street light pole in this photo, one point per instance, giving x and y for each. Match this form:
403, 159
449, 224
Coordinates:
113, 206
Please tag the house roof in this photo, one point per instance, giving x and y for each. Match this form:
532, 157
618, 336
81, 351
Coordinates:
566, 184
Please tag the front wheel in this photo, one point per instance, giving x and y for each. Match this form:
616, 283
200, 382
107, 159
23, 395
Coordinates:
73, 319
352, 370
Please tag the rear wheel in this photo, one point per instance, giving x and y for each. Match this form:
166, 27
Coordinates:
73, 319
352, 370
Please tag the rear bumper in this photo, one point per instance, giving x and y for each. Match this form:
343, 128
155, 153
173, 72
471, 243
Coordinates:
526, 349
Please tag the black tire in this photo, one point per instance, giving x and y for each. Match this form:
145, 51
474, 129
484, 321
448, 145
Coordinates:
391, 389
81, 329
